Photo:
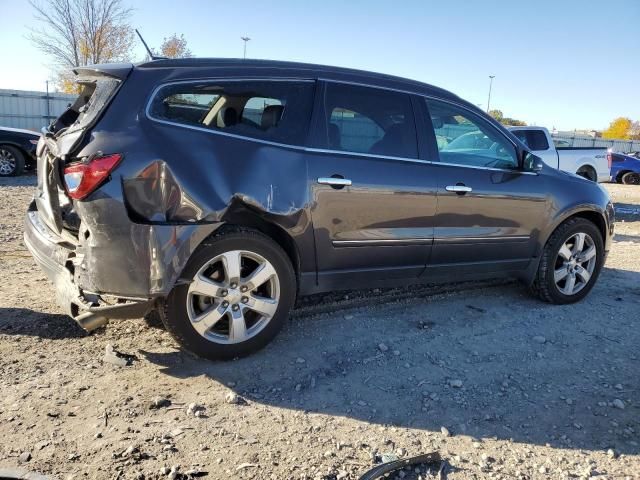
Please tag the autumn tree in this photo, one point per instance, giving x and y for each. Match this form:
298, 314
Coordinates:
175, 47
619, 129
73, 33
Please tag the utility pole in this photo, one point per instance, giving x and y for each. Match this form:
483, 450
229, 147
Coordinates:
48, 107
491, 77
245, 40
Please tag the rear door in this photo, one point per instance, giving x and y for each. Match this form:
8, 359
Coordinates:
489, 210
373, 199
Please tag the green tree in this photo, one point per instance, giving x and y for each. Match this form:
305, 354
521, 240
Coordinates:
497, 114
620, 129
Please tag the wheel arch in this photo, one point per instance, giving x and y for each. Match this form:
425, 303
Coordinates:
620, 174
591, 168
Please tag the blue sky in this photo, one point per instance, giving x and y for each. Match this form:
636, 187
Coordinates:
568, 64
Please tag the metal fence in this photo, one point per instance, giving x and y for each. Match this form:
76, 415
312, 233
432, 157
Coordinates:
31, 110
623, 146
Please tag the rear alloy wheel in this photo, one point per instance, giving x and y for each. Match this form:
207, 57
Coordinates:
11, 161
240, 289
570, 263
631, 178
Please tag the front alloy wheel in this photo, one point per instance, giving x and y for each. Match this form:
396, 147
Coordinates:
575, 263
8, 162
570, 263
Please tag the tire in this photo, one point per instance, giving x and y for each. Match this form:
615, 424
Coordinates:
552, 261
209, 263
11, 161
588, 173
631, 178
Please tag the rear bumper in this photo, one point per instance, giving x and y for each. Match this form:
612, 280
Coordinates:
57, 258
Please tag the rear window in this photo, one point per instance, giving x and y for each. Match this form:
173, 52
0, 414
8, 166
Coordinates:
369, 120
94, 95
534, 139
267, 110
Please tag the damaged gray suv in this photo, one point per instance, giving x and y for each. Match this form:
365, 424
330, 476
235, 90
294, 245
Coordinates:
216, 191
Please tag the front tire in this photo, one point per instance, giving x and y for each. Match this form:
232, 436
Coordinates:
571, 262
239, 287
11, 161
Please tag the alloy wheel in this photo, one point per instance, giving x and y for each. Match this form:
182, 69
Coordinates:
233, 297
7, 162
575, 263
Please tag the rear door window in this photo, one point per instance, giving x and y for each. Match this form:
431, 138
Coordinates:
368, 120
268, 110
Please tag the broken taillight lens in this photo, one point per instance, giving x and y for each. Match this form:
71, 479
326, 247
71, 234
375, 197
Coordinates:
83, 178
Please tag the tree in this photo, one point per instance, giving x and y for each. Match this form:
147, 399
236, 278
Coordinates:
499, 116
74, 33
634, 131
175, 47
619, 129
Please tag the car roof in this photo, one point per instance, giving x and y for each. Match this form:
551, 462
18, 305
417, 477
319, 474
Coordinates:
277, 68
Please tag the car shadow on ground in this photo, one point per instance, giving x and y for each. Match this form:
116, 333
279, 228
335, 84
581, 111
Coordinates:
29, 178
492, 364
52, 326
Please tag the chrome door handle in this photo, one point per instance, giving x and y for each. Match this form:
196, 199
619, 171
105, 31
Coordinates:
458, 188
334, 182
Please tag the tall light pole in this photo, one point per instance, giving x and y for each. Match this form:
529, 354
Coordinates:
245, 40
491, 77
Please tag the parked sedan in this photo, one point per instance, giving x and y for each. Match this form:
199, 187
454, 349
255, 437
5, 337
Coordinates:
17, 150
625, 169
217, 191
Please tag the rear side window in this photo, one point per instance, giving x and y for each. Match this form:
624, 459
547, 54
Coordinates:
534, 139
369, 120
267, 110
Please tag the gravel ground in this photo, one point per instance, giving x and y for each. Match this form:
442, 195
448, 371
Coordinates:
502, 385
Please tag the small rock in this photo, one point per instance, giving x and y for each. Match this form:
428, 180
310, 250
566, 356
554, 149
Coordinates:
242, 466
159, 402
234, 399
98, 435
445, 431
539, 339
24, 457
194, 408
300, 360
383, 347
401, 452
618, 386
116, 358
569, 401
388, 457
542, 469
130, 450
362, 403
455, 383
173, 473
165, 471
618, 404
396, 353
342, 474
348, 317
611, 453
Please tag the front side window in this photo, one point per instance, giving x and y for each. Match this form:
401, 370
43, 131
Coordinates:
267, 110
369, 120
464, 138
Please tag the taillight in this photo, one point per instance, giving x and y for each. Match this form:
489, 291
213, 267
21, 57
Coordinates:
83, 178
609, 159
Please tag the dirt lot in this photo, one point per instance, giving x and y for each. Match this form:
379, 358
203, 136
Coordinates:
523, 389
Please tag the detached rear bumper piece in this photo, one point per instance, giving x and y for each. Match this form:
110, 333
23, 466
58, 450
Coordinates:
58, 257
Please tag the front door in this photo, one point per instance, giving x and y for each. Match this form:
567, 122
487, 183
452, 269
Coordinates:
488, 208
373, 200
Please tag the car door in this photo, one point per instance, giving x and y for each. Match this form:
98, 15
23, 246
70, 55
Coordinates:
373, 199
489, 209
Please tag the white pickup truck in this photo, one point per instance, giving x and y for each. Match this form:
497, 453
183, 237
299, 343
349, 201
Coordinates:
591, 163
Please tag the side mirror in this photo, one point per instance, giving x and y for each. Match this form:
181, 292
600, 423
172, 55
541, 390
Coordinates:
532, 163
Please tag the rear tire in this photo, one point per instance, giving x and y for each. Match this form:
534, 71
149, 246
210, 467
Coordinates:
588, 172
561, 261
631, 178
235, 318
11, 161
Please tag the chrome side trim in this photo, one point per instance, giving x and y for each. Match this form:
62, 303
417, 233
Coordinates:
381, 242
503, 238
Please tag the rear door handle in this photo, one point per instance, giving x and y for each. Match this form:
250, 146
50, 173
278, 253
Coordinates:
461, 189
334, 182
